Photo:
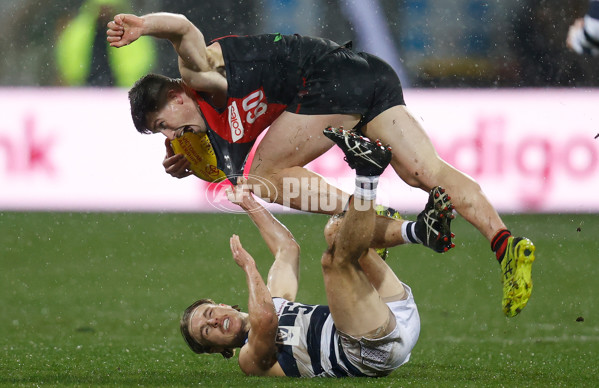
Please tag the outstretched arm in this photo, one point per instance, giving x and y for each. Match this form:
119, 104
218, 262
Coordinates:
197, 63
284, 272
260, 353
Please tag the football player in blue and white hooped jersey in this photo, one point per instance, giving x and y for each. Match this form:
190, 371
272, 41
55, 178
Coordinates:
371, 322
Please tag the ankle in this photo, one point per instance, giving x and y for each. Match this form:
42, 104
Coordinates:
499, 243
366, 187
409, 234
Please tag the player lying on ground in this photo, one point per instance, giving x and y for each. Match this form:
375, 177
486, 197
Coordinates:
371, 322
236, 87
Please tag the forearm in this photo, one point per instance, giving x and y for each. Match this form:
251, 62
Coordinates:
260, 305
165, 26
284, 272
187, 40
275, 234
259, 354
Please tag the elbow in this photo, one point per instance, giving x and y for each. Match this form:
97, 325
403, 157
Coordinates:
292, 249
269, 321
331, 229
264, 318
182, 18
185, 24
181, 25
288, 251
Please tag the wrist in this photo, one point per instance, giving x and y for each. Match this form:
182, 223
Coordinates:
250, 267
248, 203
144, 25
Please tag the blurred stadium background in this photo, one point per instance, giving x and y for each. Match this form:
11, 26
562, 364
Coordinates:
497, 90
92, 284
458, 43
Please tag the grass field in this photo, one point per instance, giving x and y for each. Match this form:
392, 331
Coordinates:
92, 299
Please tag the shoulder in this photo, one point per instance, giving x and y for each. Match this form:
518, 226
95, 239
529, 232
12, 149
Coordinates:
279, 303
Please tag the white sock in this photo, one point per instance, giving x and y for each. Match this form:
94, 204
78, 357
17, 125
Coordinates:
408, 233
366, 187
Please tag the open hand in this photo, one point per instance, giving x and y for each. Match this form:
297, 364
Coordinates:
240, 255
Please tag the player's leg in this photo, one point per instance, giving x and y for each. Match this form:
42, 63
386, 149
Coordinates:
293, 141
379, 274
418, 164
387, 231
431, 229
434, 219
382, 277
356, 306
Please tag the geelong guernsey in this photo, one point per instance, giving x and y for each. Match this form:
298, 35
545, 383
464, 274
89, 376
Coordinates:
308, 342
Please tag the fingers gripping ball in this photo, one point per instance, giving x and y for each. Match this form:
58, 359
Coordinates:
198, 150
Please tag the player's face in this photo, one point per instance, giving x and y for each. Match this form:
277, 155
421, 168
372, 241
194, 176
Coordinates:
179, 113
218, 325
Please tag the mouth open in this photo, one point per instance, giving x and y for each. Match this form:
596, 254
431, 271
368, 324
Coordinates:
226, 324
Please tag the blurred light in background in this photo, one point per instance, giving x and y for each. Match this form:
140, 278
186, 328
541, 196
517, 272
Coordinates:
458, 43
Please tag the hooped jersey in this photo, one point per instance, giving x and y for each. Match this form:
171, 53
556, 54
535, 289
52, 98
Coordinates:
308, 343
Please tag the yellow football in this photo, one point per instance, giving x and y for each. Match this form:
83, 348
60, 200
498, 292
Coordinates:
198, 150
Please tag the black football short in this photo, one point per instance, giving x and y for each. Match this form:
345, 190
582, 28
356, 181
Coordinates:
345, 82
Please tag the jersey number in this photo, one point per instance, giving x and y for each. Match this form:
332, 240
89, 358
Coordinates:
254, 105
291, 309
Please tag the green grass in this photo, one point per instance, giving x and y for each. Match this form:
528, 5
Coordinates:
94, 299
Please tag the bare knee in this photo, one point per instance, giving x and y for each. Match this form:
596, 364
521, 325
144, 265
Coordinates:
326, 261
330, 233
331, 228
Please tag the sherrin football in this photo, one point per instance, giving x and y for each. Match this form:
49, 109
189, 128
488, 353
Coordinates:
198, 150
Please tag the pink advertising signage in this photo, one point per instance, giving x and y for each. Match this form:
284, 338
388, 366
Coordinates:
531, 150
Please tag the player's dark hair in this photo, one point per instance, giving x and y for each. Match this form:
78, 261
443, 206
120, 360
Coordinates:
149, 94
191, 342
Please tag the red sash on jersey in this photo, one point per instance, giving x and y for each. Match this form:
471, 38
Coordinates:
243, 119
